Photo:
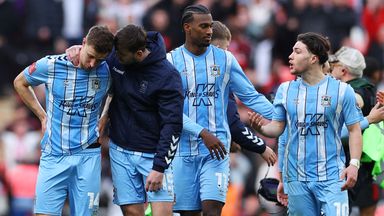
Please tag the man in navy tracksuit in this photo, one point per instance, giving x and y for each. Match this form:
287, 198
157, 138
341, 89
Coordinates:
145, 115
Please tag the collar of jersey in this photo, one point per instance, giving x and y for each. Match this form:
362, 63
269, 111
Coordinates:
317, 84
199, 56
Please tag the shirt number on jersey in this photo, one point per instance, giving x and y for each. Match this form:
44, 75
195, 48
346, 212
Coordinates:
341, 209
93, 201
222, 181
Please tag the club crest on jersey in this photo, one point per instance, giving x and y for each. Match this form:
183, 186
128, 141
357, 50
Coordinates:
325, 101
215, 70
184, 72
66, 83
95, 84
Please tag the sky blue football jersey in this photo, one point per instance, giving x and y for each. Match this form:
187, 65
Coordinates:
314, 117
207, 80
73, 100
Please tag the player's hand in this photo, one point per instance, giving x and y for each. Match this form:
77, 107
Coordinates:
213, 144
269, 156
350, 173
73, 54
255, 120
380, 97
281, 196
376, 114
154, 181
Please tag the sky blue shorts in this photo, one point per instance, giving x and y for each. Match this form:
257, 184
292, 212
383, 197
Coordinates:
310, 198
199, 178
76, 176
129, 173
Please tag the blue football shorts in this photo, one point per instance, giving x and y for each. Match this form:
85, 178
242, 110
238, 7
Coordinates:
199, 178
77, 176
310, 198
129, 173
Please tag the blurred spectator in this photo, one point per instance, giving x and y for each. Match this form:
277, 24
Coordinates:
43, 23
261, 13
373, 22
341, 19
240, 167
173, 8
9, 21
9, 28
224, 9
21, 151
287, 23
3, 189
373, 18
372, 71
119, 13
73, 16
20, 143
314, 18
240, 45
159, 21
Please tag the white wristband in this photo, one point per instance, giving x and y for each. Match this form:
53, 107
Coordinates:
355, 162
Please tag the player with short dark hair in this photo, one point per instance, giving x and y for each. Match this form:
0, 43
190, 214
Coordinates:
208, 74
145, 113
145, 121
70, 164
314, 109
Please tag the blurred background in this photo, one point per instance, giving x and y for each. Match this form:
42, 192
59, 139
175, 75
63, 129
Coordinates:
263, 33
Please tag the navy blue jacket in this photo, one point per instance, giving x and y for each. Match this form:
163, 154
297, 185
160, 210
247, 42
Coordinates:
146, 112
240, 133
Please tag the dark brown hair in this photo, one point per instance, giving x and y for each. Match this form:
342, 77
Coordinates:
131, 38
317, 44
100, 38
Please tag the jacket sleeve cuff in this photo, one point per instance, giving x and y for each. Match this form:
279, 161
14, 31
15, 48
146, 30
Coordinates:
158, 168
262, 148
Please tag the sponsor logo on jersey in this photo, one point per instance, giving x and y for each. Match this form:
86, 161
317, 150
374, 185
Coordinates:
204, 94
312, 124
78, 105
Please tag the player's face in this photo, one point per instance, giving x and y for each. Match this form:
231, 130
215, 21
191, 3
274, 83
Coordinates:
89, 58
299, 60
126, 57
326, 68
337, 70
221, 43
200, 30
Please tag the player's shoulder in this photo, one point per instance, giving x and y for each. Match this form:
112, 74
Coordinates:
175, 51
219, 51
57, 58
289, 83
